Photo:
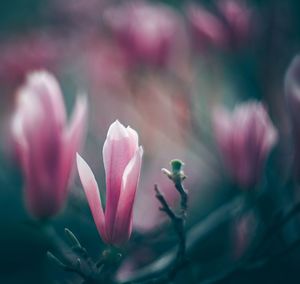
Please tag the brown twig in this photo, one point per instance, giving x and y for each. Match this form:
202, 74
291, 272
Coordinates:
178, 223
177, 176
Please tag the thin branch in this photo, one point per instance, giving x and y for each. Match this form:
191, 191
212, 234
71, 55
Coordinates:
195, 236
178, 223
271, 232
177, 176
183, 195
165, 206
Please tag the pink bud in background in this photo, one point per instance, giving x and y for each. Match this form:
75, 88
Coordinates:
292, 95
122, 159
146, 31
207, 29
45, 145
238, 18
244, 139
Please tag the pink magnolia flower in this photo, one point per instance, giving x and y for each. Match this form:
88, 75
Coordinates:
45, 146
292, 95
148, 32
244, 138
122, 159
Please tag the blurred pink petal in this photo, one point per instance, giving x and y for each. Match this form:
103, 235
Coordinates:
38, 129
106, 65
238, 16
245, 139
73, 139
147, 31
207, 29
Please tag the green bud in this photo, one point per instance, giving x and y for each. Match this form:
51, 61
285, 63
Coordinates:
176, 165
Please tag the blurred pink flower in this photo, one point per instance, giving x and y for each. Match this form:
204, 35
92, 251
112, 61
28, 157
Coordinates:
292, 95
207, 29
229, 28
122, 159
146, 31
45, 146
238, 17
245, 139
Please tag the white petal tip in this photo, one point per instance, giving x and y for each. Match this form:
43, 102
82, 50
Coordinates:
38, 76
85, 173
80, 161
117, 131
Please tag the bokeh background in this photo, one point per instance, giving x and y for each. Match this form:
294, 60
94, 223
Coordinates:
161, 69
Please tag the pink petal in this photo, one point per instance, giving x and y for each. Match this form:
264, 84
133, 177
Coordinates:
238, 17
18, 136
130, 179
133, 137
45, 86
245, 140
45, 152
92, 193
73, 138
119, 148
42, 134
29, 128
207, 28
